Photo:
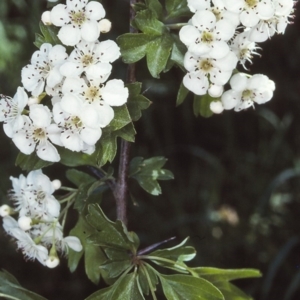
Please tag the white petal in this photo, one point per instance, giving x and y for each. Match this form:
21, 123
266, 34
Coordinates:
204, 20
69, 35
47, 152
71, 141
188, 34
40, 115
89, 31
74, 243
59, 15
107, 51
249, 18
238, 82
230, 99
71, 69
90, 135
198, 85
114, 93
24, 144
95, 11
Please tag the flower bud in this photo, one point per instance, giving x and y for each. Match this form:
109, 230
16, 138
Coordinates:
46, 18
216, 107
56, 184
5, 210
52, 262
25, 223
104, 25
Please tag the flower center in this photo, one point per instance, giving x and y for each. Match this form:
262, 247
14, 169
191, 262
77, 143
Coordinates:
247, 95
87, 60
207, 37
251, 3
76, 122
205, 65
39, 134
92, 93
78, 17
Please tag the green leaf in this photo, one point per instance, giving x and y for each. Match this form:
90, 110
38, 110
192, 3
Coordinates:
31, 162
134, 46
182, 94
148, 171
143, 275
156, 7
158, 53
177, 8
202, 105
93, 255
156, 48
75, 159
178, 253
49, 35
215, 275
121, 118
136, 102
10, 288
146, 22
178, 287
78, 177
125, 288
109, 234
231, 292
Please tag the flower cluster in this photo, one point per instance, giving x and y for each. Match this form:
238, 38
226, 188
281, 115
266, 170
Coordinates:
82, 97
223, 33
37, 229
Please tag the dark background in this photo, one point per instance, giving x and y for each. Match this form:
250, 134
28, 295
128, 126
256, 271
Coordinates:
236, 187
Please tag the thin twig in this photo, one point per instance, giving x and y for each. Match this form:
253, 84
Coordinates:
121, 188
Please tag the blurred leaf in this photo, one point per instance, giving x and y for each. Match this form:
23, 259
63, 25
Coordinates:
78, 177
201, 105
10, 288
93, 255
146, 273
49, 35
214, 274
178, 287
231, 292
31, 162
136, 101
182, 94
293, 287
177, 8
148, 171
109, 234
125, 288
178, 253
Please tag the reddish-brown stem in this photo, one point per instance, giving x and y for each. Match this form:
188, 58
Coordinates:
121, 187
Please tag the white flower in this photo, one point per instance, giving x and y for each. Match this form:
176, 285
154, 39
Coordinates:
79, 122
78, 20
11, 111
251, 12
37, 132
44, 67
30, 249
195, 5
219, 71
247, 91
207, 36
244, 48
46, 18
92, 58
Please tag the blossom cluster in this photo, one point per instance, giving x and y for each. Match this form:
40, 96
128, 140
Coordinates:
223, 33
76, 80
37, 229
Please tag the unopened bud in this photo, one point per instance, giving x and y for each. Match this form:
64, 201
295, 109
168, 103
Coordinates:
104, 25
5, 210
216, 107
25, 223
56, 184
46, 18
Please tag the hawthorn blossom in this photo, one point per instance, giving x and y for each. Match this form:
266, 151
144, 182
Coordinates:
92, 58
11, 111
245, 91
206, 35
30, 249
78, 20
44, 68
251, 12
200, 68
37, 132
